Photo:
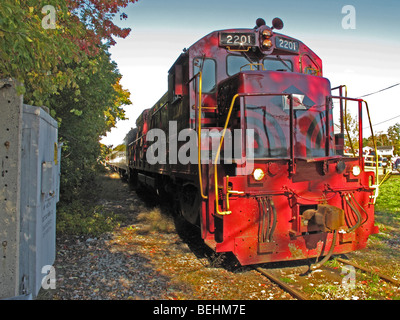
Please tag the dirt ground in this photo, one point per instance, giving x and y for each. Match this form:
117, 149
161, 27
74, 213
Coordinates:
151, 255
155, 255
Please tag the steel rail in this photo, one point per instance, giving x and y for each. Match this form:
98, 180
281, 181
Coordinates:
382, 276
293, 292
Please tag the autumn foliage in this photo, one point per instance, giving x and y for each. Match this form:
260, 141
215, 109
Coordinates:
40, 56
58, 51
97, 16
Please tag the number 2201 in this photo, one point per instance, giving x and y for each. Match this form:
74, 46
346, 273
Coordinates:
236, 39
285, 44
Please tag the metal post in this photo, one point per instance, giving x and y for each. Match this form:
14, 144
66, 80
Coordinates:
341, 111
291, 128
10, 174
360, 134
327, 127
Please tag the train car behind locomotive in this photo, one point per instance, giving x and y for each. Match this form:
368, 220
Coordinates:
245, 142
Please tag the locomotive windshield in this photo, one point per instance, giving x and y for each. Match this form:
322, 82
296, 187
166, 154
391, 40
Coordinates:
269, 118
277, 64
270, 132
237, 63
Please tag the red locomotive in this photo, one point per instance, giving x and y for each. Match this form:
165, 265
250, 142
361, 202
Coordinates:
245, 141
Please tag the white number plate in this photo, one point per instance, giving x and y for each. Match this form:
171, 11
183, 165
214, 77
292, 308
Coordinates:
286, 44
235, 39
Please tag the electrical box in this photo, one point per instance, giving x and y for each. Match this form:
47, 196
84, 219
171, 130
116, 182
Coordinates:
29, 190
39, 196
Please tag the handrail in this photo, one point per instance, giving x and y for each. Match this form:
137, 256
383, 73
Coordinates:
159, 109
217, 158
343, 116
228, 192
360, 101
223, 136
238, 50
345, 122
377, 184
252, 65
200, 74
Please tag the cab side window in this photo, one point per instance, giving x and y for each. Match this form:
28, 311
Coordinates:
208, 68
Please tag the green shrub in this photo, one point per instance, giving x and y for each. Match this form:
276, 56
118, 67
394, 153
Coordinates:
77, 218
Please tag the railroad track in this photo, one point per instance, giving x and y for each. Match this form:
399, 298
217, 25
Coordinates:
357, 266
292, 291
297, 293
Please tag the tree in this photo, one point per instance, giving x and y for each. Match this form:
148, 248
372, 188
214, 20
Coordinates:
95, 110
351, 132
38, 56
394, 137
58, 50
98, 15
381, 139
30, 53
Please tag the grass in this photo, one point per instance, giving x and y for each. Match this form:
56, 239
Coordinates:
382, 252
79, 218
389, 197
155, 221
387, 217
382, 255
84, 216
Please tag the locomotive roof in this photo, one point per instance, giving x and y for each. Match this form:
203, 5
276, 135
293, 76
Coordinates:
201, 43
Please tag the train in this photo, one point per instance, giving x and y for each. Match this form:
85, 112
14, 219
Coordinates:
246, 143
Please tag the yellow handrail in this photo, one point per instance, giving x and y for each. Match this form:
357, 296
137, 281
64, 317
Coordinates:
228, 192
238, 50
228, 117
252, 65
377, 185
199, 138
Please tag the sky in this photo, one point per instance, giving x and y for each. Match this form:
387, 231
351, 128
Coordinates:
365, 57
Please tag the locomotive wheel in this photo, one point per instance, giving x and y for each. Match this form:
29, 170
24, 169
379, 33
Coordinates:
133, 179
189, 203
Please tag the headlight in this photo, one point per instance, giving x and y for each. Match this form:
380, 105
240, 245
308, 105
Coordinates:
258, 174
267, 33
267, 44
356, 171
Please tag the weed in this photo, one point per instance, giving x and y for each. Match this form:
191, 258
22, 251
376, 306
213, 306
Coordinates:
287, 280
78, 218
155, 221
388, 199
